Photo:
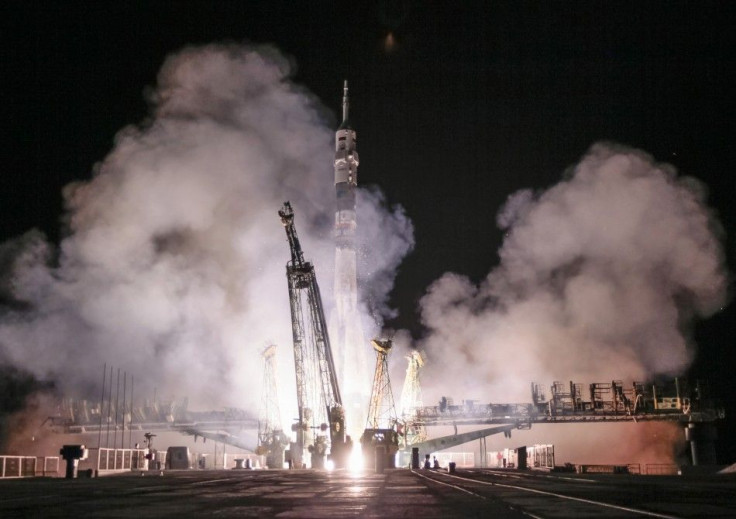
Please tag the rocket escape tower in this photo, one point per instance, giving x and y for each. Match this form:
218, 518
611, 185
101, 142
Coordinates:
345, 323
318, 393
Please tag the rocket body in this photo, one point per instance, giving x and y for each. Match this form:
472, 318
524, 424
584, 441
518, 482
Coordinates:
347, 330
346, 179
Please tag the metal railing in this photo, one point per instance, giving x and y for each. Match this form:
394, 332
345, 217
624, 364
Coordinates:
28, 466
661, 469
119, 459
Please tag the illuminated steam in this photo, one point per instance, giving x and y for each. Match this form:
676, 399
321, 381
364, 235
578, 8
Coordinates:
174, 265
600, 277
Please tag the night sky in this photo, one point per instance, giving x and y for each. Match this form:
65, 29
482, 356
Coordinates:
457, 105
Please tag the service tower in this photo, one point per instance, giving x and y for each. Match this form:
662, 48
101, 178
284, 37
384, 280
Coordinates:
346, 327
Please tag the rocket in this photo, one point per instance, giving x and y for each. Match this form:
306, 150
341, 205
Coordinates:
346, 332
346, 178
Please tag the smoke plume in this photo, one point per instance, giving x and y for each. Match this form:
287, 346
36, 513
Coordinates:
173, 267
599, 279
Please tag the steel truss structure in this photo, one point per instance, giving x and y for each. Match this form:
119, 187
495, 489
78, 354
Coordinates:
318, 393
609, 402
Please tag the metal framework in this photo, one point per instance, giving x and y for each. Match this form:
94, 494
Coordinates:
82, 417
382, 410
269, 416
380, 439
446, 442
679, 403
411, 401
318, 394
271, 438
609, 402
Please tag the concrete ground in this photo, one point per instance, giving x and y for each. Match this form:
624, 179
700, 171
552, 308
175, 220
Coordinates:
308, 493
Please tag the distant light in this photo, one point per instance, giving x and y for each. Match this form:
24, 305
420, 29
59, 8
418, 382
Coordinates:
329, 465
389, 43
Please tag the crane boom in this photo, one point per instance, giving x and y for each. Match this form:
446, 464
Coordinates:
318, 393
287, 219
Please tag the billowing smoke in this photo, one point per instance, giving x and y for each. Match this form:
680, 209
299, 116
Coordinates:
600, 278
173, 267
21, 394
377, 265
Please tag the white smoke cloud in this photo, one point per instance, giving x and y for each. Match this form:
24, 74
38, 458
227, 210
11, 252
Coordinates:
600, 277
174, 264
377, 266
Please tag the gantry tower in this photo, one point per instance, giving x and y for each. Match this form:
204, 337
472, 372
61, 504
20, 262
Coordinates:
382, 410
271, 438
380, 439
411, 400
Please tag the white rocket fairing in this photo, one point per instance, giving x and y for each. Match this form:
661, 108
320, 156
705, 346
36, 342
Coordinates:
346, 328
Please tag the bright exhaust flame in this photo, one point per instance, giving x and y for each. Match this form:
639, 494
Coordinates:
355, 462
329, 465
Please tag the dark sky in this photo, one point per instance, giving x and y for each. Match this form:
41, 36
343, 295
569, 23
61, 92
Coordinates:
475, 101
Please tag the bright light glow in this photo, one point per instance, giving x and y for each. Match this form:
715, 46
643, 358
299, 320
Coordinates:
329, 465
355, 463
389, 42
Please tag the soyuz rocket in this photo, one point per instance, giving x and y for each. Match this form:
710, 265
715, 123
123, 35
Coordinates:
346, 327
346, 179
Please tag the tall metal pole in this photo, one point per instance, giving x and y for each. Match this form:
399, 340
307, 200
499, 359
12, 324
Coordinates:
102, 404
109, 411
130, 423
117, 407
125, 407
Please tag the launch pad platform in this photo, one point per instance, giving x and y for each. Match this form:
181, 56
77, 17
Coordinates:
392, 493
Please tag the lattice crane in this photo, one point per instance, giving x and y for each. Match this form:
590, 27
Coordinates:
318, 394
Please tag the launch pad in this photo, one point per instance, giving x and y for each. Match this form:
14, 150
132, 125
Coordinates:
394, 493
320, 403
